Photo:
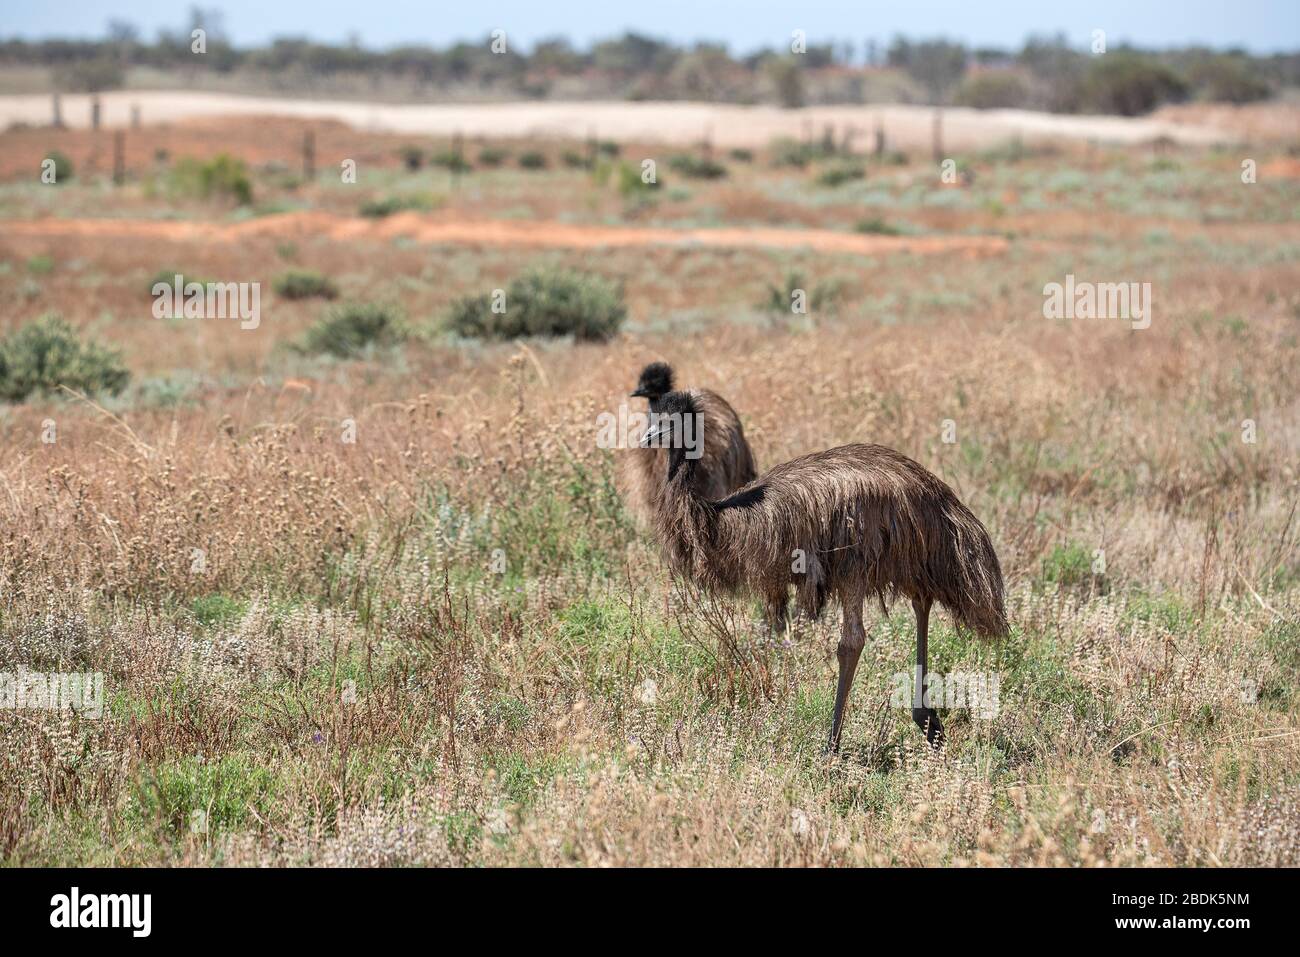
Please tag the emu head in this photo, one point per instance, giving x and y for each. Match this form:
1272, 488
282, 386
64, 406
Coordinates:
655, 382
676, 425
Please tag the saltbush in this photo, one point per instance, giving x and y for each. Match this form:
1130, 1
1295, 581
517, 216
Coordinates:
47, 353
304, 284
222, 177
544, 302
348, 329
62, 166
697, 167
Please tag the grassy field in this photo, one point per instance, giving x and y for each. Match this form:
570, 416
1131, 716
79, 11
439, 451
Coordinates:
448, 642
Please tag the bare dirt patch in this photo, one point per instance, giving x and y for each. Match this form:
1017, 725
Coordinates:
906, 127
1273, 121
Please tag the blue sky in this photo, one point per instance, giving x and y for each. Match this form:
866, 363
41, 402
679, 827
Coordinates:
1258, 25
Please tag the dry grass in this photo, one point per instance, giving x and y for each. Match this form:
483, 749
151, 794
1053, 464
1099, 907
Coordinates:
578, 709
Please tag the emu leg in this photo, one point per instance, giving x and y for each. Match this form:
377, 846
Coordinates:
926, 718
848, 651
774, 613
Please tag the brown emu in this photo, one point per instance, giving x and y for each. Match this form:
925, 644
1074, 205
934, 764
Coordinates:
725, 464
850, 522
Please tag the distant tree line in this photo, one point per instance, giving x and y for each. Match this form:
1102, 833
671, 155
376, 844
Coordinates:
1045, 73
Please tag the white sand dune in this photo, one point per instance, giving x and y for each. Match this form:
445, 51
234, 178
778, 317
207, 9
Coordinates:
907, 127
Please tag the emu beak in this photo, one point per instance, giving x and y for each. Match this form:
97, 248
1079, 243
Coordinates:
638, 394
651, 436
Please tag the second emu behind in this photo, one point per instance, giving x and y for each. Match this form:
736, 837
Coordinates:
853, 521
725, 465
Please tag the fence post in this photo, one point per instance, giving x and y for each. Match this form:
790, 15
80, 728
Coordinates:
309, 155
119, 157
94, 112
58, 111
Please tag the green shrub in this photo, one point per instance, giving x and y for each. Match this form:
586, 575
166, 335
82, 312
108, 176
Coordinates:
216, 609
574, 160
1067, 565
544, 303
62, 166
168, 277
784, 151
167, 391
631, 185
697, 167
627, 179
304, 284
876, 227
350, 328
492, 156
222, 177
532, 159
42, 264
837, 176
782, 298
230, 789
47, 353
379, 208
741, 155
452, 160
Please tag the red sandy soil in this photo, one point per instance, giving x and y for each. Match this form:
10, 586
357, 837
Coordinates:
1284, 167
499, 233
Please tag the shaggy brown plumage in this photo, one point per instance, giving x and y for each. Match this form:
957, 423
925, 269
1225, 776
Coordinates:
725, 465
850, 522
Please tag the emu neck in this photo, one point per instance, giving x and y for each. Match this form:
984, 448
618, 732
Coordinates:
688, 525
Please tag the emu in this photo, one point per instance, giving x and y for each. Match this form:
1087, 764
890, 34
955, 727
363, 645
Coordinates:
848, 522
725, 465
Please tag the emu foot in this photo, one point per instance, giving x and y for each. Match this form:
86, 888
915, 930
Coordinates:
833, 743
928, 721
775, 625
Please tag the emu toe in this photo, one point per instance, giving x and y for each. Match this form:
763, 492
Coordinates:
928, 721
